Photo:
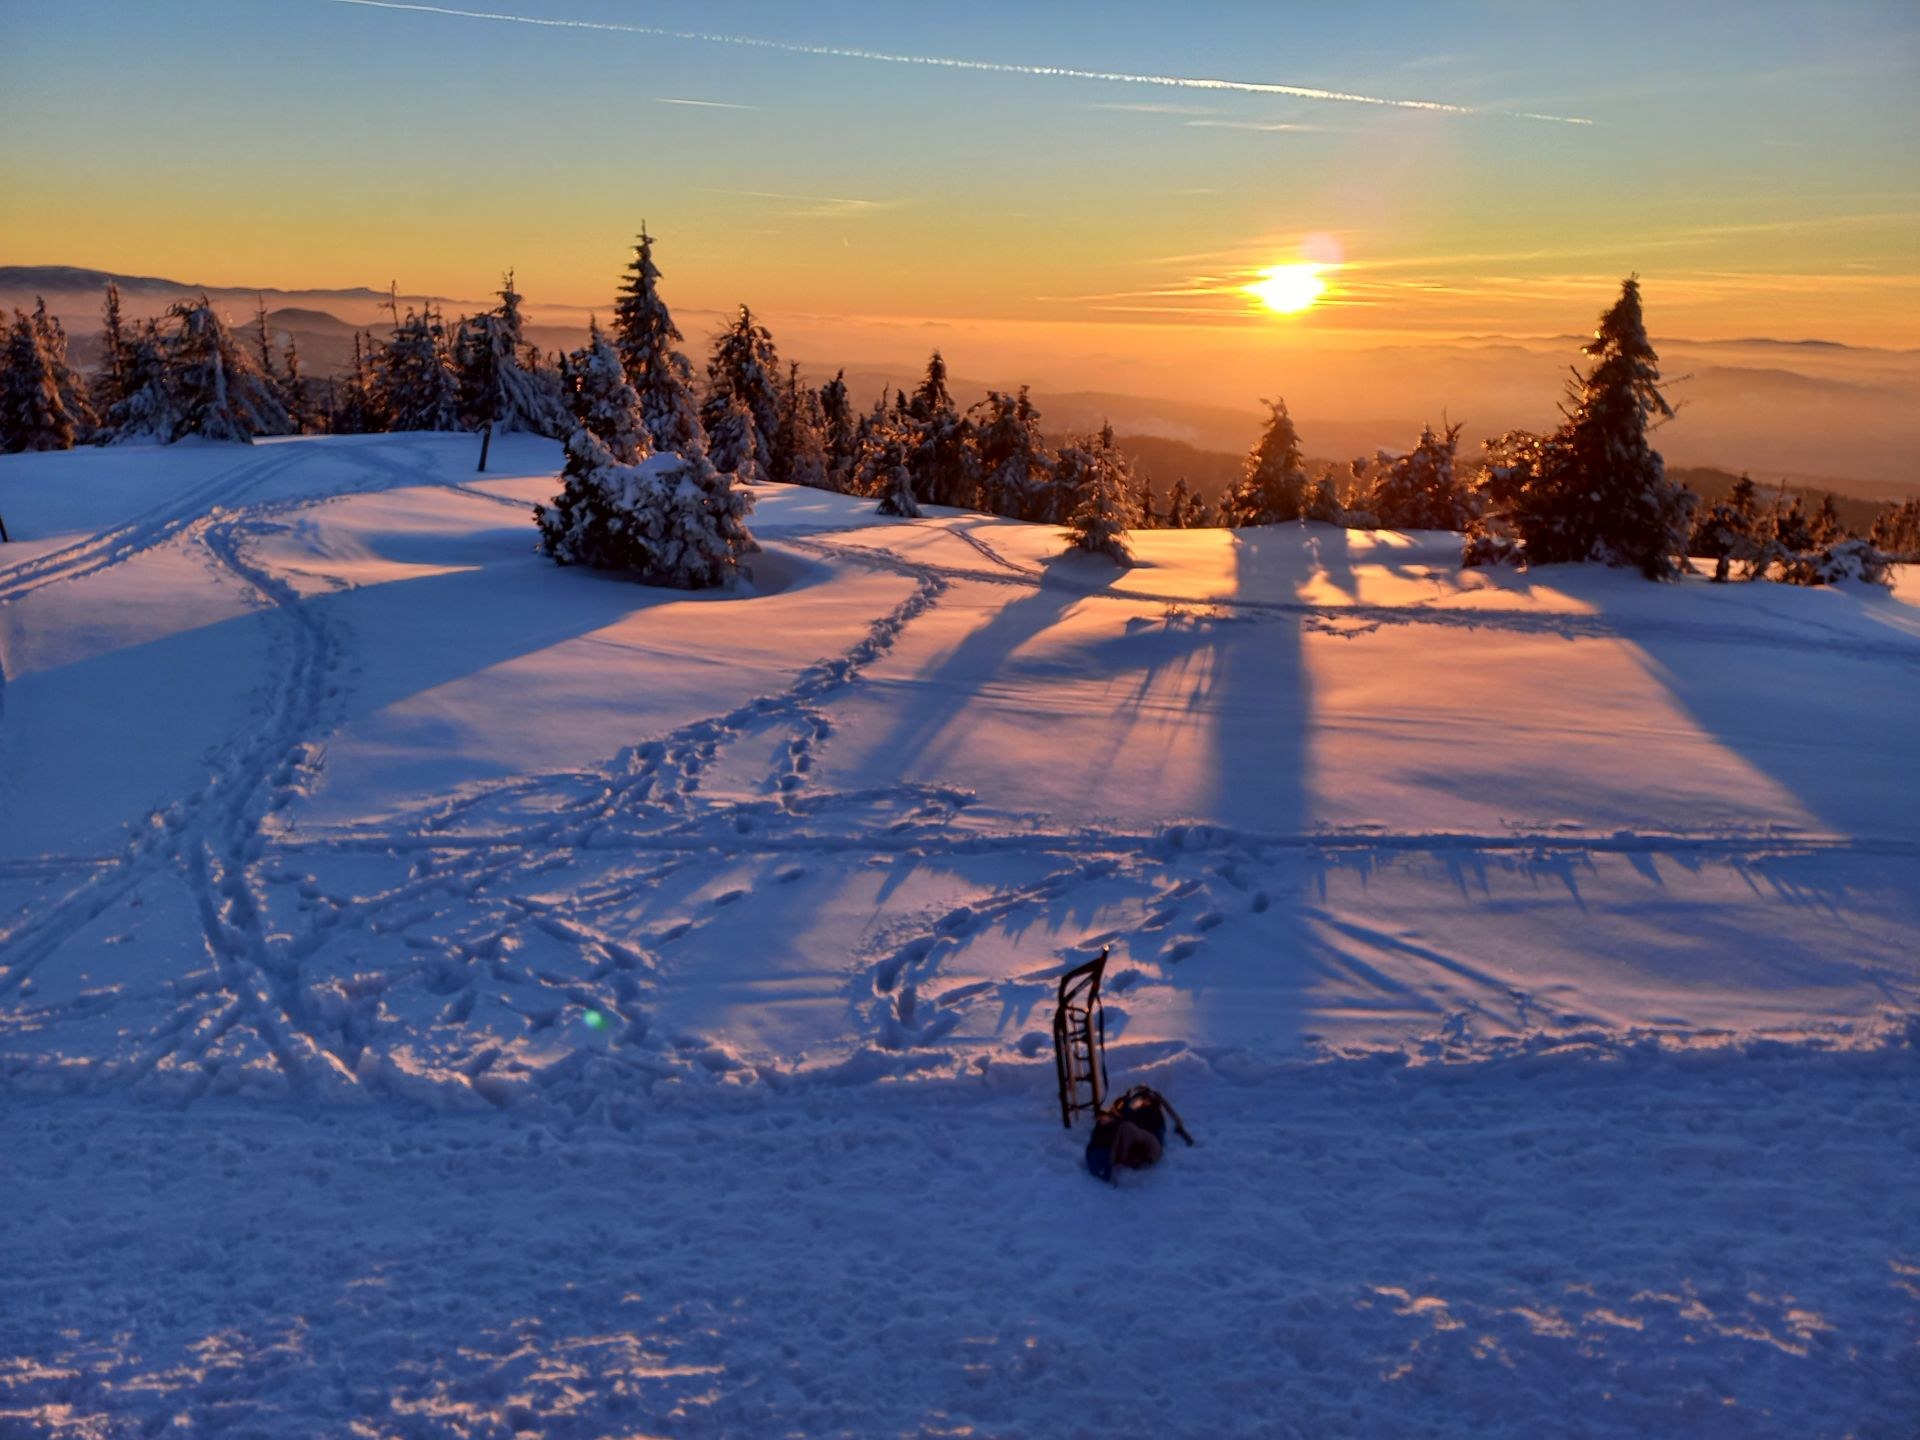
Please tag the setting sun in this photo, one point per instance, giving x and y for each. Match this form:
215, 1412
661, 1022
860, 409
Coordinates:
1288, 289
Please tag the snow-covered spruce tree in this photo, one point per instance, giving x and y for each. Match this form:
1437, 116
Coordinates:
1419, 490
1323, 502
1150, 519
292, 382
585, 524
744, 366
649, 344
803, 452
1180, 506
732, 441
1800, 551
1599, 490
69, 382
218, 392
263, 346
884, 466
1825, 525
1792, 533
931, 396
946, 458
1104, 507
501, 382
145, 414
838, 432
355, 409
1016, 467
109, 383
1847, 558
1272, 487
663, 518
414, 383
32, 415
1744, 499
600, 397
1719, 536
1896, 531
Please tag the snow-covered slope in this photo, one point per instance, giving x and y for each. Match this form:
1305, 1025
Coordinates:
527, 964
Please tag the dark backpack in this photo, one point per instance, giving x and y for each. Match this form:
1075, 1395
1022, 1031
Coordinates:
1141, 1106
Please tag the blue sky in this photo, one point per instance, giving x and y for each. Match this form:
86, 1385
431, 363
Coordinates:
1756, 162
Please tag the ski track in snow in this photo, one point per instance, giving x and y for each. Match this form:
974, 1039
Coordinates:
526, 898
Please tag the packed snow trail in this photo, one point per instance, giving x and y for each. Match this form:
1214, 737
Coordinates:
673, 882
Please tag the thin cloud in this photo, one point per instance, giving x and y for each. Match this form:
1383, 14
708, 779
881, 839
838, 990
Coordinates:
704, 104
815, 207
1271, 127
1049, 72
1154, 107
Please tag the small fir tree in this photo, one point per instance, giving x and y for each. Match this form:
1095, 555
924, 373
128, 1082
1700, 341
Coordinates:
72, 386
501, 382
293, 391
1104, 506
649, 344
218, 392
600, 397
1596, 490
1718, 536
1826, 525
802, 424
415, 386
355, 409
1150, 519
1016, 467
1744, 499
744, 367
838, 432
1272, 487
1419, 490
32, 414
945, 458
883, 469
145, 413
109, 386
1323, 502
1896, 530
665, 518
1179, 506
732, 442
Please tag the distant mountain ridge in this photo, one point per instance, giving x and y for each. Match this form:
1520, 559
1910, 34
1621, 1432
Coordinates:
74, 292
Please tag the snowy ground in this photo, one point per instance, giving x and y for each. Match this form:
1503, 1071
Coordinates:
443, 994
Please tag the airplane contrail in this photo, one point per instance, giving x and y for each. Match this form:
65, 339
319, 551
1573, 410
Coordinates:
994, 67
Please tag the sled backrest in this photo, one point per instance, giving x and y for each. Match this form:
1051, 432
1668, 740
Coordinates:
1080, 1040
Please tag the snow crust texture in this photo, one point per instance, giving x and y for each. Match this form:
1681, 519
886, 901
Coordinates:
442, 993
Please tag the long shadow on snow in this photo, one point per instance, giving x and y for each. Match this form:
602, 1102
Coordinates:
1832, 725
413, 633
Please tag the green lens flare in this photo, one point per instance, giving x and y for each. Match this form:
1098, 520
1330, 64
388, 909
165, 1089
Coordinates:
595, 1019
